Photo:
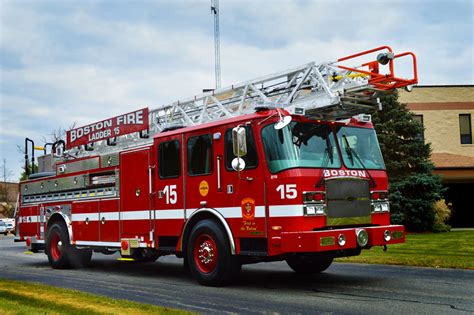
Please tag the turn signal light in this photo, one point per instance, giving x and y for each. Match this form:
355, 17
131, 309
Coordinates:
313, 196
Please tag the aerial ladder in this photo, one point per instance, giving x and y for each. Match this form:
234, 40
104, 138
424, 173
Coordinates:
325, 91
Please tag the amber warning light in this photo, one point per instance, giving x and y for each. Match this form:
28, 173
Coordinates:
110, 128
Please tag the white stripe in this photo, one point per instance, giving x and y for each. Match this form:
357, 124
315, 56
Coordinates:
29, 219
232, 212
227, 212
135, 215
111, 244
169, 214
75, 217
286, 211
109, 216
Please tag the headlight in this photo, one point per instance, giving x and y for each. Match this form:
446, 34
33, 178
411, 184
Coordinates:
377, 207
387, 235
314, 209
341, 240
310, 210
381, 207
362, 237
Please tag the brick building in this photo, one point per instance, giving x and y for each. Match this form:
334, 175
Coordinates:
8, 196
446, 113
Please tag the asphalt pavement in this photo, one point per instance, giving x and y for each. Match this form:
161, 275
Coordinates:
262, 288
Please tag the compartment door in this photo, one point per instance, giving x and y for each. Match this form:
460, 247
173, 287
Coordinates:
135, 203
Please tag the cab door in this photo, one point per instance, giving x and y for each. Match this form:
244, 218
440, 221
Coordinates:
169, 212
244, 190
201, 172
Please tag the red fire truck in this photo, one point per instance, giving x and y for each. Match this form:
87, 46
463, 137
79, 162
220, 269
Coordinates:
283, 167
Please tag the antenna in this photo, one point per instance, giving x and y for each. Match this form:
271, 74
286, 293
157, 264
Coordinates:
217, 50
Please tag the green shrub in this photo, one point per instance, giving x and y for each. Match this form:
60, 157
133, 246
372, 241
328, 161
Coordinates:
442, 213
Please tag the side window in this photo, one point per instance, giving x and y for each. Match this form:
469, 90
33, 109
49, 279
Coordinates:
169, 159
251, 159
200, 155
421, 136
465, 128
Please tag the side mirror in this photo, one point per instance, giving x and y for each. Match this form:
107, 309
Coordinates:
239, 141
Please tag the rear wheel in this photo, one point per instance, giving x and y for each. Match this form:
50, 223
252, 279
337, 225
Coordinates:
208, 255
308, 264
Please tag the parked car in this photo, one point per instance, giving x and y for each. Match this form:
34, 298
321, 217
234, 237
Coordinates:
10, 227
3, 228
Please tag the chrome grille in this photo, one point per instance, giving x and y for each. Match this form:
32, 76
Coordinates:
348, 201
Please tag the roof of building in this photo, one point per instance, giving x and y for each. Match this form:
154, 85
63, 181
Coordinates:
449, 160
438, 94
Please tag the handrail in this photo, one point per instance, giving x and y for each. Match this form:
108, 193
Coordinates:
382, 81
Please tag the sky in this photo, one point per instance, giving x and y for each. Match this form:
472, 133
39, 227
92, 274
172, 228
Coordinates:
65, 62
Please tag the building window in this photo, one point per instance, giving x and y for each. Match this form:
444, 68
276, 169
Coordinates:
200, 155
421, 136
465, 128
251, 159
169, 163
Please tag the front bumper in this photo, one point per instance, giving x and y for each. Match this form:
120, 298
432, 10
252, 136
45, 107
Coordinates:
322, 241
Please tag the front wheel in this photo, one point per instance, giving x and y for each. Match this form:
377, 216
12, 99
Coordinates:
308, 264
208, 255
58, 247
61, 254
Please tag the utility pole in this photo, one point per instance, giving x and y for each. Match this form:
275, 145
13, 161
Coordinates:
217, 50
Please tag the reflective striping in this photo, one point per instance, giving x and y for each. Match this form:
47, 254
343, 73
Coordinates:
227, 212
286, 211
109, 216
135, 215
232, 212
75, 217
28, 219
169, 214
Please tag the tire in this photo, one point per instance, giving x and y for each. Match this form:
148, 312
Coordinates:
61, 255
58, 247
208, 255
308, 264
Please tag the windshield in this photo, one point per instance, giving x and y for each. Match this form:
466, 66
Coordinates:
300, 145
360, 148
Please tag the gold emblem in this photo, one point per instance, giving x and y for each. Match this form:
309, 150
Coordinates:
248, 209
203, 188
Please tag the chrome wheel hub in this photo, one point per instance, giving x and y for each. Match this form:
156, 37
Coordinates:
206, 252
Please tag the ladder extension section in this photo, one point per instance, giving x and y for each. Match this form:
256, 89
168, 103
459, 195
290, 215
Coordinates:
328, 91
325, 91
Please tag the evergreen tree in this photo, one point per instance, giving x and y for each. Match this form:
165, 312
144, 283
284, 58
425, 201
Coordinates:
413, 188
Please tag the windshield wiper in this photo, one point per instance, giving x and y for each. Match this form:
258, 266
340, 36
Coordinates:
353, 153
329, 149
328, 155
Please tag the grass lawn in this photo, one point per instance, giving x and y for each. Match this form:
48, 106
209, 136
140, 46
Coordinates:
26, 298
453, 249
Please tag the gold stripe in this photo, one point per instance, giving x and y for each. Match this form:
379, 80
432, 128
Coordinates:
349, 221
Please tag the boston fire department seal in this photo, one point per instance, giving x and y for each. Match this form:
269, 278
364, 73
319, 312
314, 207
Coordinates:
248, 209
